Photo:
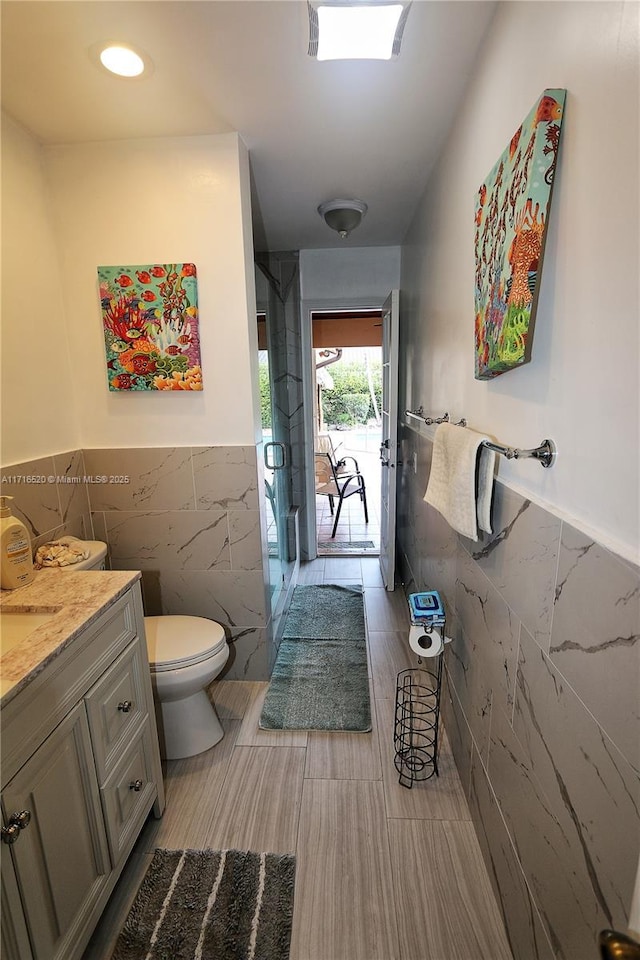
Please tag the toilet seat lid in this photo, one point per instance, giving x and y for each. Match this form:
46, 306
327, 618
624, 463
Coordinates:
175, 641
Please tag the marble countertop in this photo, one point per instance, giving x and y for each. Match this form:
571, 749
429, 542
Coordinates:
74, 600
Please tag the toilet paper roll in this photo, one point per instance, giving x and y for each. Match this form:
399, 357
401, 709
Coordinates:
423, 643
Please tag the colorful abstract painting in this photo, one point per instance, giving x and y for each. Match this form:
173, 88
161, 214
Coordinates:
150, 319
512, 210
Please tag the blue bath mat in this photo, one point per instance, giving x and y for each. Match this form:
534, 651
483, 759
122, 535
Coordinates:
320, 679
326, 611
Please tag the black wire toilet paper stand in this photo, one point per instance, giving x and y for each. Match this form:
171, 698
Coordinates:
417, 713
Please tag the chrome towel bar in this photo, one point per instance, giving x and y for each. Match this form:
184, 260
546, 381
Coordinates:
545, 454
419, 415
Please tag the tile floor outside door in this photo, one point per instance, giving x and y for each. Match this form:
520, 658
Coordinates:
383, 872
352, 530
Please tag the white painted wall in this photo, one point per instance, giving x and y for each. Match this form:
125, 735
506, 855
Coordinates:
38, 414
349, 274
582, 386
160, 201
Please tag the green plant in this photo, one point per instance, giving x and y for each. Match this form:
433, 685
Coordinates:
265, 395
350, 378
357, 406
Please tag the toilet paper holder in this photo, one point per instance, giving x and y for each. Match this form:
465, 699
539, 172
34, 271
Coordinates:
417, 709
427, 631
417, 714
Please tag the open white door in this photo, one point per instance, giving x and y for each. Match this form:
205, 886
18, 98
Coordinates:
389, 445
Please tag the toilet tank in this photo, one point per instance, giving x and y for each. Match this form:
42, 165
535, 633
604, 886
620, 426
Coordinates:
97, 554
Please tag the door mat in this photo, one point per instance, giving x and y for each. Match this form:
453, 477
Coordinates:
320, 679
200, 904
346, 545
326, 611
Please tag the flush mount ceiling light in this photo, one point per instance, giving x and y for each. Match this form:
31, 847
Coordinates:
123, 60
369, 30
343, 216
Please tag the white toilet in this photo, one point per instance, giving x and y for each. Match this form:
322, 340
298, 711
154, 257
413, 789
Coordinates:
185, 655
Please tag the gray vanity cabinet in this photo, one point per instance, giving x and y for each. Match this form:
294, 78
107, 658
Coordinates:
81, 771
61, 857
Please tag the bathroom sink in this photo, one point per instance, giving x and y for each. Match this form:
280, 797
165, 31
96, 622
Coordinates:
16, 626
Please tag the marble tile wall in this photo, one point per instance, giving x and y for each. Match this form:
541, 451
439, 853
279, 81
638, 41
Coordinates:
187, 517
50, 496
541, 707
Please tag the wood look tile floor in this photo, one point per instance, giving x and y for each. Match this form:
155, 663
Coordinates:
383, 872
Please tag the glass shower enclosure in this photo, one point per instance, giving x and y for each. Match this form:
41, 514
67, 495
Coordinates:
276, 436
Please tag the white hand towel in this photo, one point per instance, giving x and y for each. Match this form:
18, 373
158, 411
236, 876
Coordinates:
461, 481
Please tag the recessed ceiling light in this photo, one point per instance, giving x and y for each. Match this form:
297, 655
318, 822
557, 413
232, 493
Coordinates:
356, 31
122, 60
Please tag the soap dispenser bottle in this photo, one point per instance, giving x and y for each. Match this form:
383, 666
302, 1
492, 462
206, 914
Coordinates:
16, 563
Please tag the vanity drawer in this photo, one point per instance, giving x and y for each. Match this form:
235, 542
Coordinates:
128, 795
116, 706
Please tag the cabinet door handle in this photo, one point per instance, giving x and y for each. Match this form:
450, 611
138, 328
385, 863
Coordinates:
136, 785
17, 822
125, 706
618, 946
11, 833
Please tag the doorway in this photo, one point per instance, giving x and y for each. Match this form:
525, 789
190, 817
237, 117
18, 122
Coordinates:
347, 430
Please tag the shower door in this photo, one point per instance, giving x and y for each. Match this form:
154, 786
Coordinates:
272, 497
389, 445
272, 360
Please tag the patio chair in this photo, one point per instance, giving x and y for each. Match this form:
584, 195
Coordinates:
329, 483
324, 444
271, 497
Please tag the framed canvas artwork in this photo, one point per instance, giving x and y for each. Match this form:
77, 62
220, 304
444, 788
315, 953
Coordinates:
511, 215
150, 321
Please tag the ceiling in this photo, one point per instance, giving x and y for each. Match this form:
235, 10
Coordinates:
315, 130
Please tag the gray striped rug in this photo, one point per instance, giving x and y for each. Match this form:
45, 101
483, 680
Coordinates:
203, 904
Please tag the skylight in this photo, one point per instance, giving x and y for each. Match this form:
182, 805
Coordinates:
356, 32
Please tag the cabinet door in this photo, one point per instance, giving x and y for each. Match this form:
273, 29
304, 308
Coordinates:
61, 858
14, 939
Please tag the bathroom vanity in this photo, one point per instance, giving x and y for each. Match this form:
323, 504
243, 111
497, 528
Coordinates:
80, 760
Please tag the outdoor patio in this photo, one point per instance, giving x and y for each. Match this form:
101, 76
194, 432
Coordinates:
353, 535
